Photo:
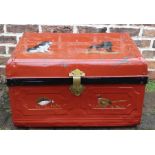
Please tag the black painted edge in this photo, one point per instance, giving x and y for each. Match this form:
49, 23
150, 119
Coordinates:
84, 80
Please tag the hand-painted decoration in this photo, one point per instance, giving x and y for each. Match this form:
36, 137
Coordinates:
66, 79
42, 47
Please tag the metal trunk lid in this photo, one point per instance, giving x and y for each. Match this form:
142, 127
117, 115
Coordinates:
76, 51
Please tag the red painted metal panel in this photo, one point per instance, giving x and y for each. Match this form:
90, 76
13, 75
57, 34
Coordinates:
70, 110
65, 55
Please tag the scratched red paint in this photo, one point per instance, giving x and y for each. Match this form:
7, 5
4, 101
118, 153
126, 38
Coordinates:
70, 52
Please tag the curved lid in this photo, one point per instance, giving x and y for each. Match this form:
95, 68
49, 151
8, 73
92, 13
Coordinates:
97, 54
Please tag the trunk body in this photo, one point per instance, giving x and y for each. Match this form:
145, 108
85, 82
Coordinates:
75, 82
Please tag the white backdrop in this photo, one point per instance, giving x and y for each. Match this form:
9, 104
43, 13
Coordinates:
85, 142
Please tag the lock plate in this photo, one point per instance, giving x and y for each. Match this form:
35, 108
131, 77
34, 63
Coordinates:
77, 88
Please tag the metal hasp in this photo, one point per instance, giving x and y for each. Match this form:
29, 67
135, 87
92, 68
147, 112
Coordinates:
77, 88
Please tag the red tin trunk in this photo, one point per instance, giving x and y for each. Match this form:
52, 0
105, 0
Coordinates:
81, 80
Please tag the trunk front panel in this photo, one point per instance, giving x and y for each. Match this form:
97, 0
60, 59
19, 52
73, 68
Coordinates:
122, 101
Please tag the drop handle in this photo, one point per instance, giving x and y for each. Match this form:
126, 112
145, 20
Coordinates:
44, 101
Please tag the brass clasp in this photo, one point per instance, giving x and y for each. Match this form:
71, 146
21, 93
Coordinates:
77, 88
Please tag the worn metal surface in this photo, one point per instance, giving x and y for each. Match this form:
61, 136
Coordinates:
67, 53
147, 122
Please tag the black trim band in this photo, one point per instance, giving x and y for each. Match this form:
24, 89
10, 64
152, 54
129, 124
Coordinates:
84, 80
